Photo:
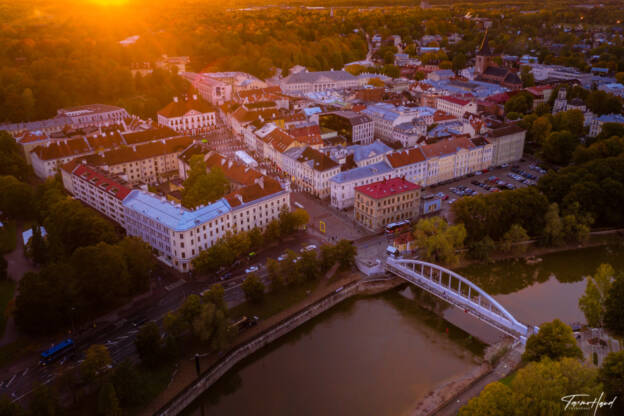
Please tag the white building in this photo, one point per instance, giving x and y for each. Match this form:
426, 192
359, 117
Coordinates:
306, 82
342, 185
386, 117
215, 91
456, 106
188, 116
97, 189
357, 128
310, 169
597, 123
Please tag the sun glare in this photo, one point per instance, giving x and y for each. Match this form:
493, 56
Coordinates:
109, 2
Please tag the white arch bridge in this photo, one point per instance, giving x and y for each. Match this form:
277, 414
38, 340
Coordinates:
459, 291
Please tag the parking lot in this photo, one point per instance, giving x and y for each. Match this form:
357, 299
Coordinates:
513, 176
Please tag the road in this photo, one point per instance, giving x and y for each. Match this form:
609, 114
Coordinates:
119, 336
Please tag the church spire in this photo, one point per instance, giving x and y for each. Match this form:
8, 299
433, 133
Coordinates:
484, 50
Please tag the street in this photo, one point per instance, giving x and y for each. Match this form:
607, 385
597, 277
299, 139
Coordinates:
119, 336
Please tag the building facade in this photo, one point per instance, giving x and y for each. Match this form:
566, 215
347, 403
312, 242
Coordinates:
508, 143
381, 203
188, 116
356, 128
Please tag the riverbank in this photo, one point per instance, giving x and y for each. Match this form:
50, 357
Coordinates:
534, 250
326, 295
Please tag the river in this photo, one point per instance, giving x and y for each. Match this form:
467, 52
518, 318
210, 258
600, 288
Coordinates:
379, 355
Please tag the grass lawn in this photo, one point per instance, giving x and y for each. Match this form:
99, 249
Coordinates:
274, 302
7, 288
507, 380
8, 237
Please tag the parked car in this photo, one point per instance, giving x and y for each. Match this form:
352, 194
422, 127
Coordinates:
510, 186
478, 173
251, 269
309, 247
282, 257
451, 201
475, 182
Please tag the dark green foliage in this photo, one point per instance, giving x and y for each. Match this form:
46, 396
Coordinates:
149, 345
611, 375
554, 340
253, 288
17, 199
559, 147
614, 307
128, 384
519, 103
202, 186
11, 157
599, 150
597, 186
601, 102
493, 214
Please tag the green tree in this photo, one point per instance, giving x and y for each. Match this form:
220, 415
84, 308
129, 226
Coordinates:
17, 198
537, 389
37, 247
554, 340
253, 288
459, 62
201, 186
519, 103
96, 362
128, 384
614, 307
540, 130
511, 238
439, 241
108, 404
553, 230
215, 295
345, 253
528, 80
559, 147
12, 160
611, 375
139, 262
592, 303
600, 102
495, 399
275, 275
149, 345
211, 326
309, 265
45, 402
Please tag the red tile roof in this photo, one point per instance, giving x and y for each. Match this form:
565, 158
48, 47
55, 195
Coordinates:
447, 146
180, 108
262, 187
307, 134
149, 135
455, 100
387, 187
62, 148
30, 137
279, 140
233, 170
405, 157
99, 179
127, 154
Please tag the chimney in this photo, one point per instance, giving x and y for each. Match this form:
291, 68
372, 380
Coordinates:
240, 198
175, 99
194, 96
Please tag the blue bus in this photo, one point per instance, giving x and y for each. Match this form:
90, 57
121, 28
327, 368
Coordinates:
57, 351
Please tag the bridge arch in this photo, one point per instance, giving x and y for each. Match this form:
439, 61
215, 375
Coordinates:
461, 292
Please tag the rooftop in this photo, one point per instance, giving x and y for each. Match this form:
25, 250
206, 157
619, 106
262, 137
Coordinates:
405, 157
172, 215
181, 107
97, 178
362, 172
305, 77
387, 188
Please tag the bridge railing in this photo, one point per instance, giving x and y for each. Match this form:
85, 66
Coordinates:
459, 291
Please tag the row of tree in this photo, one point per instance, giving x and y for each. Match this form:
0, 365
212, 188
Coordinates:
77, 288
226, 251
551, 371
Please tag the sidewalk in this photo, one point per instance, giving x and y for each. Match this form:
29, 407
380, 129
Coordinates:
185, 373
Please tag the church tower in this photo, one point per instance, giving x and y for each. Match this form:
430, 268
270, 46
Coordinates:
483, 56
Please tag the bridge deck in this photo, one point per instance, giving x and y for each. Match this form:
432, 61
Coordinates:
460, 292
